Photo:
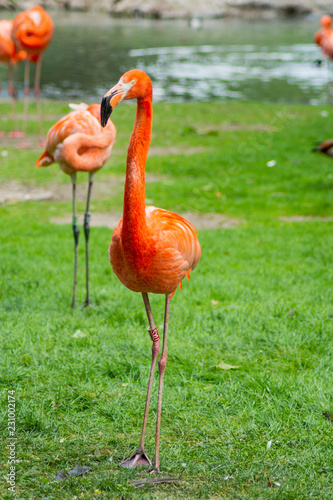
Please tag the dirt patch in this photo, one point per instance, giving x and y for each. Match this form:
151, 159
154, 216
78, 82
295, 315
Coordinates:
175, 151
201, 221
305, 218
15, 192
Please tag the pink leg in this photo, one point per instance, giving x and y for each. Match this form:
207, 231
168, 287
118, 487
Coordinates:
2, 134
161, 368
37, 93
15, 132
140, 457
26, 95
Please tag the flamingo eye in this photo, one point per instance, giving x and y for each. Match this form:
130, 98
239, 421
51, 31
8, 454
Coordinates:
133, 82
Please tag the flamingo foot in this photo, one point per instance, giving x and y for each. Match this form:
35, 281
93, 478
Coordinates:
16, 133
86, 303
140, 459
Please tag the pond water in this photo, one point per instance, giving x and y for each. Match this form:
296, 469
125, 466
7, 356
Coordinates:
223, 59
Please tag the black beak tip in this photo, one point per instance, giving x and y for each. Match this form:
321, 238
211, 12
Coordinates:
106, 110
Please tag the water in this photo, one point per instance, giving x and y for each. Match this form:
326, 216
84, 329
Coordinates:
224, 59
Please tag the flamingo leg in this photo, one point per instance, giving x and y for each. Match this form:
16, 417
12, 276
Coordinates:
140, 457
1, 133
86, 228
76, 239
37, 94
26, 95
161, 368
15, 132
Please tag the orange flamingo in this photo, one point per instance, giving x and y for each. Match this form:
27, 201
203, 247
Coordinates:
325, 147
10, 56
152, 250
78, 143
324, 36
33, 31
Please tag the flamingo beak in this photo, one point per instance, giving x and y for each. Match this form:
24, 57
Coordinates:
109, 101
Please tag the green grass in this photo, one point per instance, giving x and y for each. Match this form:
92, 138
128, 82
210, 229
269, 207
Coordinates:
260, 299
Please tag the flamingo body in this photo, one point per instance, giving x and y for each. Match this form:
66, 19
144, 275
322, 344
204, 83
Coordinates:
326, 147
8, 52
324, 36
169, 251
33, 31
78, 143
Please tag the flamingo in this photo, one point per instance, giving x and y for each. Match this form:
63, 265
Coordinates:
10, 56
33, 31
152, 250
78, 143
324, 38
325, 147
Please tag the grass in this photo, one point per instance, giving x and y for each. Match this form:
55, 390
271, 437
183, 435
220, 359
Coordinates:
260, 300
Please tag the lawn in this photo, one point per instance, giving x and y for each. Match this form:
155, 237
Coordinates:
260, 300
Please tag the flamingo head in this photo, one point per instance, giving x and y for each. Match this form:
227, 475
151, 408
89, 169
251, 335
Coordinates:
134, 84
326, 21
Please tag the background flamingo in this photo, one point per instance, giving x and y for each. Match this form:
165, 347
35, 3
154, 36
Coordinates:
325, 147
324, 38
33, 31
9, 55
152, 250
79, 144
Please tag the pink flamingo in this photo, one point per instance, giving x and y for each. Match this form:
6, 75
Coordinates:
32, 32
79, 144
9, 55
152, 250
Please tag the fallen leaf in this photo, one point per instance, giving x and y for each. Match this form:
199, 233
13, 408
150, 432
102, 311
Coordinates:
273, 484
225, 366
77, 471
79, 335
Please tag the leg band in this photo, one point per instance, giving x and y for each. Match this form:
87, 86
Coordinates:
154, 334
86, 224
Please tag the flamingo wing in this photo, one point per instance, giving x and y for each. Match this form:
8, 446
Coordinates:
170, 252
78, 142
177, 246
176, 233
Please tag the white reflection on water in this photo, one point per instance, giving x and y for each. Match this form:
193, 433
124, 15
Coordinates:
234, 71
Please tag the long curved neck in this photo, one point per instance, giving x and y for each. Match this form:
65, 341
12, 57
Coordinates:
134, 215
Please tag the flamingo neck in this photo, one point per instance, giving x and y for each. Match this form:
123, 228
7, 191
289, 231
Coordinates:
134, 215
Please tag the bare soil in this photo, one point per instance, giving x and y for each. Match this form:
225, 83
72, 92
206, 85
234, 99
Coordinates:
15, 192
201, 221
305, 218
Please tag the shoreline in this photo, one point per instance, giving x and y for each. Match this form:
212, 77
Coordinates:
186, 9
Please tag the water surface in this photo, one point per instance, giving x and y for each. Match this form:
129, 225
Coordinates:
224, 59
